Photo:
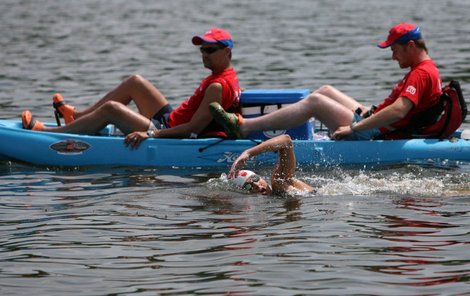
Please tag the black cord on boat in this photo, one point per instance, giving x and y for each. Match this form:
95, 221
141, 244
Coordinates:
210, 145
221, 140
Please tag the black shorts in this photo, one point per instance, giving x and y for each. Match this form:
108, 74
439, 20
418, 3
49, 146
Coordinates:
160, 119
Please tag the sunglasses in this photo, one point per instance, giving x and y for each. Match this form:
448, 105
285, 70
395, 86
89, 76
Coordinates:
249, 185
209, 50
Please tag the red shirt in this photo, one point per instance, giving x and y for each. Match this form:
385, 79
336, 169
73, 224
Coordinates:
230, 98
422, 86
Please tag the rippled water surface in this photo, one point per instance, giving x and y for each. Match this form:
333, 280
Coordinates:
155, 231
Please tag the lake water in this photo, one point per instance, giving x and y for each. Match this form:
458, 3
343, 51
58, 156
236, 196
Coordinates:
155, 231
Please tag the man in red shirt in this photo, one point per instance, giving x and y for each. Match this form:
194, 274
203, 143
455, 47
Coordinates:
344, 116
156, 118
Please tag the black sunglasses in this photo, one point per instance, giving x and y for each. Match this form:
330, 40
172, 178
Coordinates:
209, 50
249, 186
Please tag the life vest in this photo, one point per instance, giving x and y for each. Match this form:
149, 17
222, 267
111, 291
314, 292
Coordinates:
440, 121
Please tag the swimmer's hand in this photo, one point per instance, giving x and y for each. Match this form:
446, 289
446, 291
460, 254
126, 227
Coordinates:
238, 164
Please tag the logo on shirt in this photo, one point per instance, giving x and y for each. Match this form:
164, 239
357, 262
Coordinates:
411, 89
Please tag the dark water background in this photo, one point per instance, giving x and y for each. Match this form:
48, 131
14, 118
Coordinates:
147, 231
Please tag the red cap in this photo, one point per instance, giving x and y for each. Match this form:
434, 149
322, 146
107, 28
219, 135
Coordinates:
401, 32
214, 35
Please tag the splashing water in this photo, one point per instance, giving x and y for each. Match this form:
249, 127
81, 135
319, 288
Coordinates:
408, 180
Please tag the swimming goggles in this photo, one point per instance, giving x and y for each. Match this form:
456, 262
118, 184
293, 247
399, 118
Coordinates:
249, 184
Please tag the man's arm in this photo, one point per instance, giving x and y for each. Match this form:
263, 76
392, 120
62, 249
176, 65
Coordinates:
390, 114
201, 118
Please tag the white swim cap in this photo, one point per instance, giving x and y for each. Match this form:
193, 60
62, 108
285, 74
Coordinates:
242, 177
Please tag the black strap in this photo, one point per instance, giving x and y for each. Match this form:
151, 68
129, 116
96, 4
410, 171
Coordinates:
57, 117
58, 104
57, 113
221, 140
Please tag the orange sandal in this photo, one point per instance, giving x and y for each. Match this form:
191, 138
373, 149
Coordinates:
62, 110
30, 123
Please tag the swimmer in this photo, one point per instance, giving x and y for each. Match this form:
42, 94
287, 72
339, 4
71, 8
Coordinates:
283, 181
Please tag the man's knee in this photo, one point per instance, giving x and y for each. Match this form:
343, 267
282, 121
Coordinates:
111, 108
326, 90
136, 79
312, 99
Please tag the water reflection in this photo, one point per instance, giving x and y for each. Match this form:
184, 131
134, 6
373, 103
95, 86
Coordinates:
160, 232
418, 246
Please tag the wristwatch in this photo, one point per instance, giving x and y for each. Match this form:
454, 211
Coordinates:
151, 133
352, 126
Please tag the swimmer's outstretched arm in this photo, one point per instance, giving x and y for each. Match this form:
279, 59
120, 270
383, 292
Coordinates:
285, 167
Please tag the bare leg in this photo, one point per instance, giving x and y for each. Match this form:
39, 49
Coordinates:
148, 99
329, 111
340, 97
110, 112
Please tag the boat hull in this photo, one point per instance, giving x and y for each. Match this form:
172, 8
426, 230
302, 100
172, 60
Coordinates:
71, 150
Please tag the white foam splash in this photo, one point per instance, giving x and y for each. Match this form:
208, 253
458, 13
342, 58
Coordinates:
411, 180
401, 183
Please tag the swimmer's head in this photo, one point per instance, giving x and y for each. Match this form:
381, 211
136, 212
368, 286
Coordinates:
251, 182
